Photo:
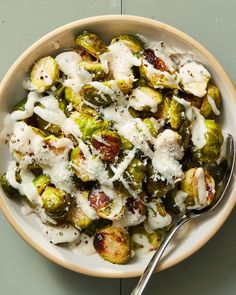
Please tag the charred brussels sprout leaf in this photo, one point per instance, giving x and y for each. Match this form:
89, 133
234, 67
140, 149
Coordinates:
44, 74
113, 244
92, 43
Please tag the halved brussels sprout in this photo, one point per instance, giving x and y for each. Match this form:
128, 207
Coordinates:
154, 238
135, 174
78, 218
88, 124
104, 93
56, 202
44, 73
107, 143
10, 191
176, 112
211, 102
155, 187
113, 244
77, 159
214, 139
152, 126
107, 203
185, 133
125, 144
94, 68
41, 182
145, 99
92, 43
134, 43
156, 72
200, 187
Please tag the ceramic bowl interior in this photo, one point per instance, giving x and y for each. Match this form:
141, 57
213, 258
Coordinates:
192, 237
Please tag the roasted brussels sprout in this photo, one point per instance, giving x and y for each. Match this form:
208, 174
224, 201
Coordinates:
155, 187
94, 68
10, 191
77, 162
211, 102
134, 44
44, 73
185, 133
92, 43
176, 112
107, 203
141, 82
134, 174
113, 244
200, 187
156, 72
56, 202
88, 124
145, 99
107, 143
214, 139
152, 126
104, 93
125, 144
41, 182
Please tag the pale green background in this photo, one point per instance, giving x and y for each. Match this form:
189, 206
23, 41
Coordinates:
211, 271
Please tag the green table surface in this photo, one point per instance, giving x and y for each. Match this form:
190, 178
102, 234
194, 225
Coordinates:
212, 270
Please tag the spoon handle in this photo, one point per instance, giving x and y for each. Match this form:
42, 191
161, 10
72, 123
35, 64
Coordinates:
156, 257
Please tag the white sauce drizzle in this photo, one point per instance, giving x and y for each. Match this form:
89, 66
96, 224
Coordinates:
180, 200
61, 234
155, 220
143, 241
213, 105
119, 60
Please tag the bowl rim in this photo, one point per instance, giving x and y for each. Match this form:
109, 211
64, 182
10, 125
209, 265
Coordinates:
153, 23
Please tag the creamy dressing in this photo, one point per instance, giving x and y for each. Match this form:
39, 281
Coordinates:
142, 240
180, 200
194, 78
61, 234
119, 60
167, 154
84, 246
68, 63
130, 219
155, 220
213, 105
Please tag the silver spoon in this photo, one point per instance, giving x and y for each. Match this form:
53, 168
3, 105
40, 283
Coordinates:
230, 158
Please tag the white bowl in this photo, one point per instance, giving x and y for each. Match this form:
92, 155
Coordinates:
197, 233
